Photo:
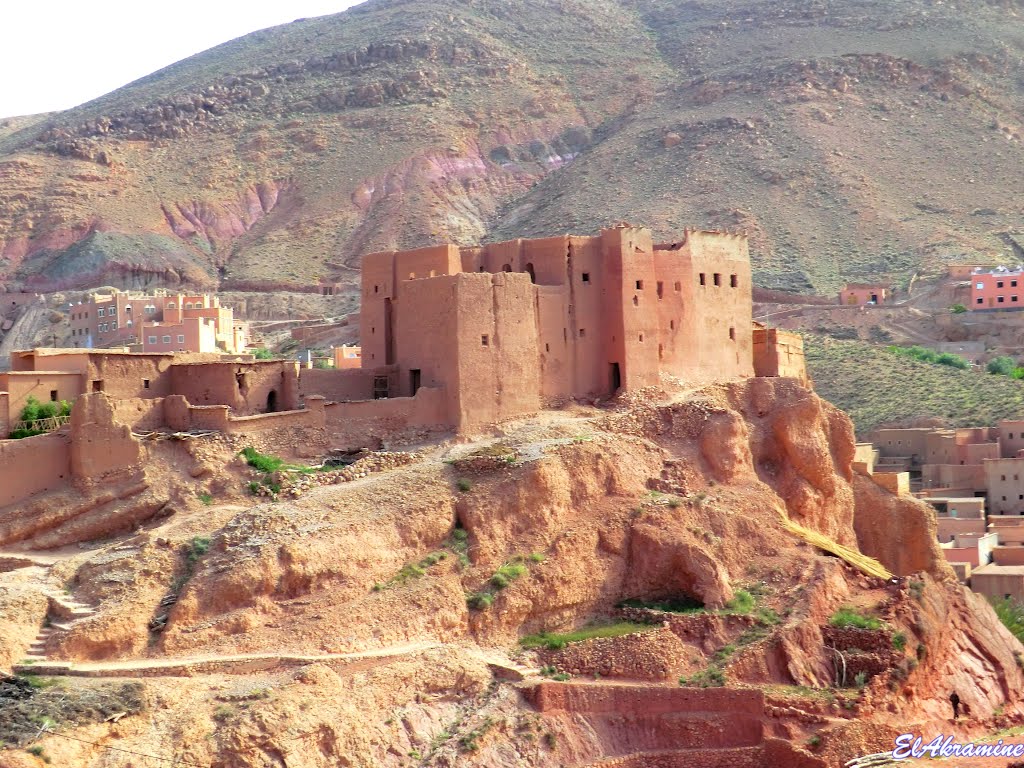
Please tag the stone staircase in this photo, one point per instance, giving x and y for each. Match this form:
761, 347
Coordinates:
61, 615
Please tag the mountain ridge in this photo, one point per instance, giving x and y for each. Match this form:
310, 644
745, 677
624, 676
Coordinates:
850, 140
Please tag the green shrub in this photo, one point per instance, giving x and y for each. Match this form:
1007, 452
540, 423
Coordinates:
684, 604
463, 484
198, 547
712, 677
263, 354
480, 601
958, 309
206, 498
507, 574
1001, 366
899, 641
848, 617
742, 602
860, 679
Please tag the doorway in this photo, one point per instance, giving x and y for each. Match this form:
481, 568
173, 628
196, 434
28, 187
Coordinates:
272, 401
414, 381
616, 377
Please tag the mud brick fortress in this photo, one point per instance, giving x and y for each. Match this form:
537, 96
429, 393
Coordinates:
453, 340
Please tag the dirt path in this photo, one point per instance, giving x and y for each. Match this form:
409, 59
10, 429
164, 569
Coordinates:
221, 663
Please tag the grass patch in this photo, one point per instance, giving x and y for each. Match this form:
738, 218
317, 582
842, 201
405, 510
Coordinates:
1011, 613
555, 641
668, 605
850, 618
464, 485
206, 498
742, 602
514, 569
412, 571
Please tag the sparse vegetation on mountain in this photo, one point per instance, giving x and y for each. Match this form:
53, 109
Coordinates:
878, 388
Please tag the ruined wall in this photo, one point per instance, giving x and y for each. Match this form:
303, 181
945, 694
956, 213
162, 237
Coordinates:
376, 423
102, 450
249, 387
33, 465
654, 655
139, 413
778, 353
337, 385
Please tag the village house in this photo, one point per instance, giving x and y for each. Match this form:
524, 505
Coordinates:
160, 322
859, 294
974, 480
999, 288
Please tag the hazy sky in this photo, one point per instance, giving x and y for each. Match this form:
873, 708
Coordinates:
57, 54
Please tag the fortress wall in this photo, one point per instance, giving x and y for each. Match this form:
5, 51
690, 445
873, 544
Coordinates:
632, 306
553, 343
499, 374
34, 464
378, 290
586, 324
778, 353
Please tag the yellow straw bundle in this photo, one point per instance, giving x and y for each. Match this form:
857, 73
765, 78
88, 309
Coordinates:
866, 564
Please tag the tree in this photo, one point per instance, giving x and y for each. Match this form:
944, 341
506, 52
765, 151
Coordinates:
1002, 365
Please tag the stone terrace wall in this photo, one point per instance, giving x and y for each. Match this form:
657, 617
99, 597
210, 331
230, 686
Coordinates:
613, 699
33, 465
703, 629
373, 423
656, 654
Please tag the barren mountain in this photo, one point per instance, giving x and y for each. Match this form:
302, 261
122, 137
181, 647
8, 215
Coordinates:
850, 138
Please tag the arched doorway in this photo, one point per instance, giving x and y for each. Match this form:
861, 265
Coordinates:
272, 401
533, 275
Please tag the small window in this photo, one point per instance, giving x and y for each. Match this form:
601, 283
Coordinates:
733, 281
703, 279
181, 339
167, 339
661, 290
485, 341
586, 277
677, 286
718, 278
732, 334
999, 283
980, 286
671, 325
376, 288
1004, 480
981, 301
128, 309
113, 326
172, 305
101, 312
53, 395
999, 299
641, 338
639, 285
583, 332
152, 339
1013, 283
1013, 298
547, 347
636, 301
145, 383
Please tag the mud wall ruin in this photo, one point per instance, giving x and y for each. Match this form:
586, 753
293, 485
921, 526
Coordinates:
33, 465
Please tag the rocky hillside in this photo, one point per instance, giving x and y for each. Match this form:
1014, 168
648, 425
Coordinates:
849, 137
386, 621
